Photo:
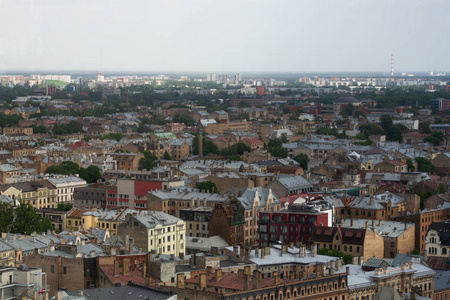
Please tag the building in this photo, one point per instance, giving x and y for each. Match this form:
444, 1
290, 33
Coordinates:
56, 217
106, 92
399, 238
357, 242
18, 131
127, 161
14, 282
39, 194
228, 221
294, 224
155, 230
285, 185
197, 219
171, 202
92, 196
65, 186
247, 101
437, 239
254, 201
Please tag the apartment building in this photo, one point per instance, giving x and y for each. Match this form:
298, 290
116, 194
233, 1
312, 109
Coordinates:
154, 230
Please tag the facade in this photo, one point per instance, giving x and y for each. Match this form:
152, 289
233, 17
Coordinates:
285, 185
65, 186
228, 221
39, 194
89, 197
437, 239
197, 219
171, 202
18, 131
398, 237
127, 161
292, 225
155, 231
359, 242
254, 201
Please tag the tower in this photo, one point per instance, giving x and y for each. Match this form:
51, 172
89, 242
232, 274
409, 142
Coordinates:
200, 145
392, 65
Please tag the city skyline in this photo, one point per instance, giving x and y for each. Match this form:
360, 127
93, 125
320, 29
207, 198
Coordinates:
208, 37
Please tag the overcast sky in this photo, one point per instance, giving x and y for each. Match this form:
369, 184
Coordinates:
235, 36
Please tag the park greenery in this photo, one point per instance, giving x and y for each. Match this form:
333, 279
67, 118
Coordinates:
347, 258
91, 174
22, 219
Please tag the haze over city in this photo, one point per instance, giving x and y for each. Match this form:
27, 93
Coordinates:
221, 36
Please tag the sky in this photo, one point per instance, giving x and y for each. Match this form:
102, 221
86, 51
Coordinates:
220, 36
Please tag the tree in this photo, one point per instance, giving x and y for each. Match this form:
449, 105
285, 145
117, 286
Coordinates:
64, 206
208, 186
27, 220
208, 146
273, 143
40, 129
435, 138
167, 155
6, 216
302, 159
148, 162
279, 152
184, 118
113, 136
410, 164
91, 174
65, 168
424, 165
347, 258
348, 110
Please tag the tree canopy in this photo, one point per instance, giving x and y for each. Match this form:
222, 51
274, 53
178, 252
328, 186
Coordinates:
208, 186
302, 159
148, 162
23, 219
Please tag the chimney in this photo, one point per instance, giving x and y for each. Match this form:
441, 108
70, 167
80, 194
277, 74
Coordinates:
241, 274
406, 226
267, 249
332, 268
302, 251
202, 281
209, 269
313, 250
262, 252
367, 225
172, 256
381, 222
339, 264
80, 293
246, 280
351, 222
355, 260
347, 271
255, 279
150, 256
181, 255
283, 249
131, 245
116, 268
127, 242
58, 295
218, 274
291, 245
319, 270
180, 281
247, 254
126, 266
248, 270
235, 250
373, 223
276, 277
361, 260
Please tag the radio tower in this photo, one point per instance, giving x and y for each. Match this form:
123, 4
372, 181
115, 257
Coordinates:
392, 65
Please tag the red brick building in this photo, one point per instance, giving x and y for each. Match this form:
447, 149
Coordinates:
292, 225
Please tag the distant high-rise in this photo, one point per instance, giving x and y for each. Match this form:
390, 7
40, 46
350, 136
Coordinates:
211, 77
238, 78
223, 78
392, 65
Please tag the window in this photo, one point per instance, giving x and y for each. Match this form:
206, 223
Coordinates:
65, 270
52, 268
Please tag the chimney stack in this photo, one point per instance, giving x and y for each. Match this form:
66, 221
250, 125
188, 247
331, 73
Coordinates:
314, 250
241, 274
246, 280
347, 271
255, 279
116, 268
126, 266
202, 281
276, 277
218, 274
180, 281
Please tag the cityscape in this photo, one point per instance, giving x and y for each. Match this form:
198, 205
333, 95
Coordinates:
191, 159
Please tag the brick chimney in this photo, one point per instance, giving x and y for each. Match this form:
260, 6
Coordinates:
180, 281
246, 280
218, 274
202, 281
314, 250
255, 279
126, 266
241, 274
116, 268
276, 277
